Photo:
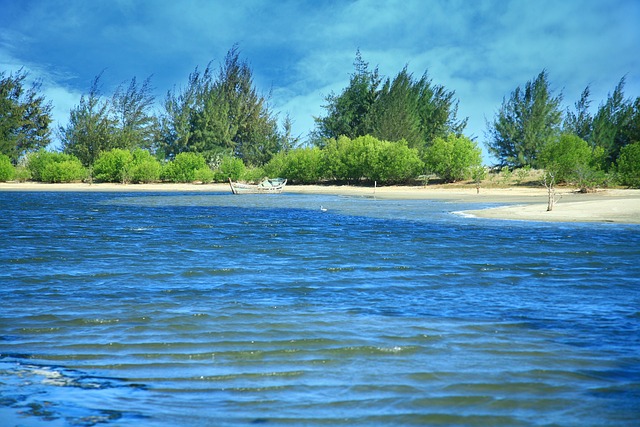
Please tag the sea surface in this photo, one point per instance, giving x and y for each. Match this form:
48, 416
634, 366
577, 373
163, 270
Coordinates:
209, 309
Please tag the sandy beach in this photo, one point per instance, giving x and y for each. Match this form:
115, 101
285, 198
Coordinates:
520, 203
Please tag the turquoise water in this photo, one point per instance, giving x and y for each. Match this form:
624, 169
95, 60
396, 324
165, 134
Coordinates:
131, 309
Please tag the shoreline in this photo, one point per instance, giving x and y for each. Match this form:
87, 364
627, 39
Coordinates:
521, 203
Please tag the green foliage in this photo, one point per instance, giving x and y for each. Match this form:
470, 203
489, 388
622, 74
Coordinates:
183, 168
22, 173
91, 129
453, 158
66, 171
115, 165
478, 174
145, 168
7, 171
368, 158
403, 108
230, 168
135, 123
97, 125
254, 174
395, 162
25, 116
299, 166
571, 160
628, 165
46, 166
349, 160
224, 113
580, 122
124, 166
525, 123
616, 124
348, 114
522, 174
566, 155
204, 175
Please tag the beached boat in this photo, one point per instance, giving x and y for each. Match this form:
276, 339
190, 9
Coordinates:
267, 185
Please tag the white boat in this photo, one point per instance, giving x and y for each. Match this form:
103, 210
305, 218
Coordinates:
267, 185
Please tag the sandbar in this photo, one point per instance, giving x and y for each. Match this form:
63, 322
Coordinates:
515, 203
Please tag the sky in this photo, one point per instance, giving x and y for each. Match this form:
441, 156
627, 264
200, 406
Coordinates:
302, 51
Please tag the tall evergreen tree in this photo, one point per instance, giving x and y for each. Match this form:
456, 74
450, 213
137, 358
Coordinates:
91, 127
176, 127
438, 111
402, 108
25, 116
395, 113
132, 112
612, 123
525, 123
580, 122
225, 114
348, 114
254, 127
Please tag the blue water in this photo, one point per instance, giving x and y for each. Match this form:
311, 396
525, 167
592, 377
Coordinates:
132, 309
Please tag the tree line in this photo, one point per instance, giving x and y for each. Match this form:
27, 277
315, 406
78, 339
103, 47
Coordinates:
388, 130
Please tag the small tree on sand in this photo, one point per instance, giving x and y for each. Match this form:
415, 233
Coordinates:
478, 174
549, 181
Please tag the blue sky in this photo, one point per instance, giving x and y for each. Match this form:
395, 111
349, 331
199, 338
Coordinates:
300, 51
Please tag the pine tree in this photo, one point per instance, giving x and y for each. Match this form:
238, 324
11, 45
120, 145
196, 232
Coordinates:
525, 123
90, 129
25, 116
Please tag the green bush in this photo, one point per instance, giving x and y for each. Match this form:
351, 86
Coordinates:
347, 159
65, 171
146, 171
572, 160
22, 174
230, 167
145, 167
628, 165
204, 175
114, 166
299, 166
46, 166
7, 170
370, 159
183, 168
395, 162
566, 155
126, 166
254, 174
453, 158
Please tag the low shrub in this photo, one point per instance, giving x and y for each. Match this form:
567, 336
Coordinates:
47, 166
299, 166
114, 166
65, 171
204, 175
183, 168
7, 170
628, 165
22, 174
230, 167
145, 168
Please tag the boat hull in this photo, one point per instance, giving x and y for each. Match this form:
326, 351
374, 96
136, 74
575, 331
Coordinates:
267, 186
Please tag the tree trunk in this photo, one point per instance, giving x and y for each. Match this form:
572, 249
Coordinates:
550, 183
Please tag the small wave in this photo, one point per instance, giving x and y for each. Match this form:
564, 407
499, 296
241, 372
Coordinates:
464, 214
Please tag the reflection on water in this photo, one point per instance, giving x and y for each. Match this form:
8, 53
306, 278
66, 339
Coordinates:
212, 309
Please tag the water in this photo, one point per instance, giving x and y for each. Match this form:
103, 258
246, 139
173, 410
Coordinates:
213, 309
